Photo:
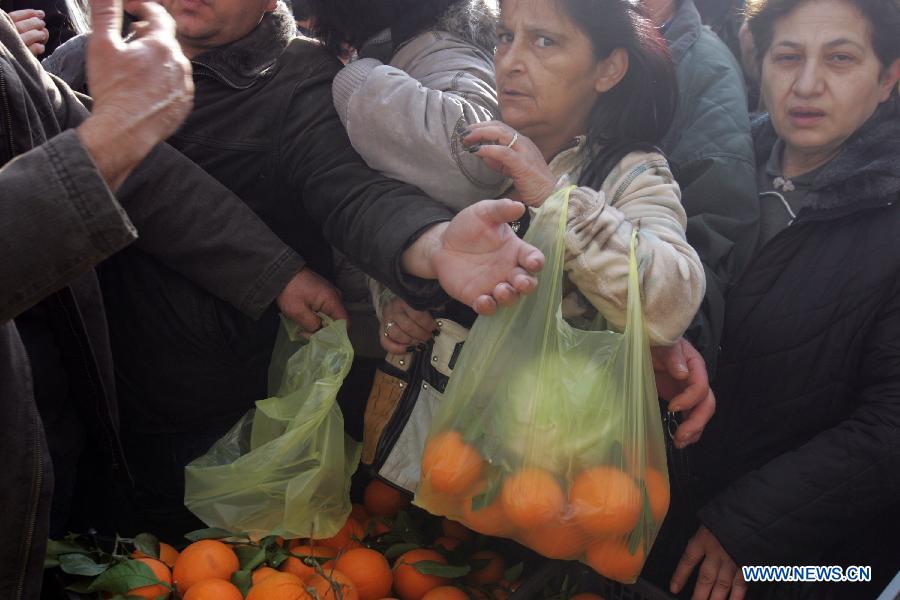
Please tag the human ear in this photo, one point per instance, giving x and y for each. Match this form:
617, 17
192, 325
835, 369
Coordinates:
889, 79
611, 70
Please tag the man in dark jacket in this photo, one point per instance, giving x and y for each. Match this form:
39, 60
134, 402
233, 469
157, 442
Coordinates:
58, 219
265, 126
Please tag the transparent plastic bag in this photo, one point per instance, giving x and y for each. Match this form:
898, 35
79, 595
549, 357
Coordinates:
551, 435
285, 467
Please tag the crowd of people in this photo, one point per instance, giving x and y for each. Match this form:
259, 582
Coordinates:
175, 176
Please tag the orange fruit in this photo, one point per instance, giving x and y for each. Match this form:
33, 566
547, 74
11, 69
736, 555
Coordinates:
455, 529
447, 543
335, 586
531, 497
586, 596
281, 586
492, 572
408, 582
167, 554
657, 493
369, 570
612, 559
489, 520
605, 501
206, 559
297, 565
450, 465
349, 536
162, 573
383, 500
558, 539
261, 573
446, 592
214, 589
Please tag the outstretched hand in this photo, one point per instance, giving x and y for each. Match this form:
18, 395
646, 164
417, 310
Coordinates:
477, 257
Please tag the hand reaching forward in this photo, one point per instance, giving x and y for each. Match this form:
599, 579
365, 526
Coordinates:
477, 257
306, 294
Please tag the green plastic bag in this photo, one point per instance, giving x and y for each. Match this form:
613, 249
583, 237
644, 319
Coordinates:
551, 435
284, 468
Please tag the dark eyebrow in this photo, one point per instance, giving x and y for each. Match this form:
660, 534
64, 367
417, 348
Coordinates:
793, 45
831, 44
538, 32
841, 42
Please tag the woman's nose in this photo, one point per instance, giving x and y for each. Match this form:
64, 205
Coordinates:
810, 79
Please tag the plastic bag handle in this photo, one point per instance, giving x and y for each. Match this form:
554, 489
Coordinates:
633, 306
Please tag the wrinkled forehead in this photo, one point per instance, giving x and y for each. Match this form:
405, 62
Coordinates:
823, 24
532, 13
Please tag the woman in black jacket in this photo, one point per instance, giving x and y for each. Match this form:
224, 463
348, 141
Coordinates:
801, 465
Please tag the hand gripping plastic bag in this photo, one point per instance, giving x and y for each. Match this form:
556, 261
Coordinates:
284, 468
551, 435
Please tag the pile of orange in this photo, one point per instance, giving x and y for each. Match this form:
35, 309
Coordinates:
593, 517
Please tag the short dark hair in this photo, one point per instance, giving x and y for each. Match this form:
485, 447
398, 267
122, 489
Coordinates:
353, 22
883, 17
642, 106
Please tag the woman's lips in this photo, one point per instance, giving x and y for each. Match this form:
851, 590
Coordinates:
805, 117
510, 95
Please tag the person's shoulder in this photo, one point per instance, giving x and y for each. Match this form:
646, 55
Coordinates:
638, 168
710, 59
310, 57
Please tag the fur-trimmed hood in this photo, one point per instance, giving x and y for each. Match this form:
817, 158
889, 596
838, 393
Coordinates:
472, 20
865, 173
242, 61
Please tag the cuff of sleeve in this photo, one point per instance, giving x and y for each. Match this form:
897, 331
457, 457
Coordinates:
381, 295
271, 283
421, 294
103, 217
717, 521
348, 80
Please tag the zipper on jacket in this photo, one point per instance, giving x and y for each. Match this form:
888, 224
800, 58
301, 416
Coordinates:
395, 426
37, 487
7, 115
